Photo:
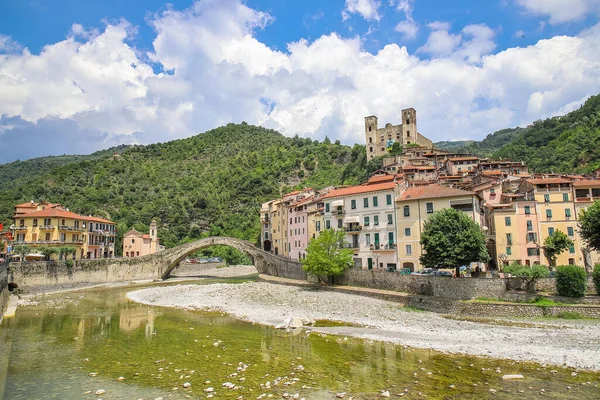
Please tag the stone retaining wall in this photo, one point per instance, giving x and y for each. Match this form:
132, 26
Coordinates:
41, 275
4, 294
543, 285
189, 269
438, 286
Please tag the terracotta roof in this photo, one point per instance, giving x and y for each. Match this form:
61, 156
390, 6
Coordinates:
548, 181
587, 183
513, 195
146, 236
52, 212
360, 189
463, 159
97, 219
432, 191
28, 204
493, 172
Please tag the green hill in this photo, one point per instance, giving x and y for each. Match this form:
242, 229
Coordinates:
212, 183
560, 144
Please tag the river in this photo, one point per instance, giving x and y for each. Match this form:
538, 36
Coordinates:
76, 344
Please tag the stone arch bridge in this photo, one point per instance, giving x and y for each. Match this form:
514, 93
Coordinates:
29, 276
265, 262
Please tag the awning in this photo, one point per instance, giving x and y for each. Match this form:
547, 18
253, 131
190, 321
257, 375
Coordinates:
337, 203
351, 220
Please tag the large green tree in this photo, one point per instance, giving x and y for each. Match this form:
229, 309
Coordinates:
556, 244
326, 255
589, 226
452, 239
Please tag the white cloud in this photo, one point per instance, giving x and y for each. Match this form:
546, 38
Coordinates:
561, 11
409, 28
97, 91
8, 45
440, 41
368, 9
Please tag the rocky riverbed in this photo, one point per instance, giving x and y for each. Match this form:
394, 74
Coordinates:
572, 343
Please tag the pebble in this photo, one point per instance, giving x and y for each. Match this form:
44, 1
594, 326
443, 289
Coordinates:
341, 395
493, 390
512, 377
100, 392
187, 385
385, 394
120, 378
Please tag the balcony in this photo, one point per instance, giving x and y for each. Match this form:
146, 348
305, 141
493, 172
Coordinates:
20, 228
265, 220
47, 228
353, 228
65, 228
383, 247
338, 212
353, 245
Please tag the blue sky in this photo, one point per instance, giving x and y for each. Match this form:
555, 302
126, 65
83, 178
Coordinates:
99, 73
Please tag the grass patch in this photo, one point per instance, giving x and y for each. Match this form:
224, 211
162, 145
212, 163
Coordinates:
544, 301
326, 323
491, 299
413, 309
569, 315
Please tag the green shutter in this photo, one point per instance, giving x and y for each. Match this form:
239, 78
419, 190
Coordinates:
388, 199
377, 238
375, 202
353, 204
366, 202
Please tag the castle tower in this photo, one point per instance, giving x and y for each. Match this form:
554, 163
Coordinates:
153, 237
409, 126
371, 136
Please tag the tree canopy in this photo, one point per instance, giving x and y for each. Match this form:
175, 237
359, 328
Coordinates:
326, 255
556, 244
451, 239
589, 226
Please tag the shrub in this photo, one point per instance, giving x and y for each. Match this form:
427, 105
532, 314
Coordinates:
571, 281
596, 278
69, 264
529, 274
569, 315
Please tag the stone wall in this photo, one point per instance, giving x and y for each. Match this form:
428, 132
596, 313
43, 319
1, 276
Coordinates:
189, 269
473, 309
544, 284
4, 294
281, 267
446, 287
53, 275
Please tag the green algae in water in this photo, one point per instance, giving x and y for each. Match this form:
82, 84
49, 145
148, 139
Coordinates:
51, 352
327, 323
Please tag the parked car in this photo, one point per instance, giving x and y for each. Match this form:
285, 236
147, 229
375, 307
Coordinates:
441, 273
424, 271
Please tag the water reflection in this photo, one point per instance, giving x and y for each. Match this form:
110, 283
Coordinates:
81, 342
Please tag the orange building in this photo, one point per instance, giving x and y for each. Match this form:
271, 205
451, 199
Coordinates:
137, 244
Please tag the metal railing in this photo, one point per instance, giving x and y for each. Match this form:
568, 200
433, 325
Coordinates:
386, 246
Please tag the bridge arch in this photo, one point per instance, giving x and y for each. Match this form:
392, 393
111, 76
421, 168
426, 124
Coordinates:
265, 262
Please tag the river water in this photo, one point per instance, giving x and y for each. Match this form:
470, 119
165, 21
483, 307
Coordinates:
71, 345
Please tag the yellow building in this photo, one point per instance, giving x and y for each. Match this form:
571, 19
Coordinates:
47, 224
556, 211
584, 194
415, 205
316, 220
278, 227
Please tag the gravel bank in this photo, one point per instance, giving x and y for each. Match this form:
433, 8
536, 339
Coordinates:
571, 343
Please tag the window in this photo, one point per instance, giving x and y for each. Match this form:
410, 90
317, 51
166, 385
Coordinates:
547, 198
48, 236
339, 224
390, 237
549, 213
326, 207
390, 218
406, 211
376, 220
22, 223
507, 221
408, 249
567, 213
508, 251
406, 231
327, 224
572, 249
509, 239
366, 221
34, 222
47, 221
565, 196
527, 210
532, 237
318, 226
290, 220
266, 235
550, 231
529, 225
492, 192
533, 252
137, 253
429, 208
368, 239
388, 199
366, 202
353, 204
375, 201
376, 238
571, 261
126, 254
570, 231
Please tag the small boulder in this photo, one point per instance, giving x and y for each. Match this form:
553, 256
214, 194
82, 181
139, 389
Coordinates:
512, 377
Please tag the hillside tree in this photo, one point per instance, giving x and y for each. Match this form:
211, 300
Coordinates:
451, 239
326, 256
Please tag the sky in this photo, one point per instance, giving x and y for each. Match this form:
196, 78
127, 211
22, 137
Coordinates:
80, 76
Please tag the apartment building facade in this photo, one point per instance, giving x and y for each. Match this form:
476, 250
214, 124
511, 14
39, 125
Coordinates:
52, 225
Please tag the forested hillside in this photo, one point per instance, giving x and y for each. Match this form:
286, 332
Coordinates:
559, 144
212, 183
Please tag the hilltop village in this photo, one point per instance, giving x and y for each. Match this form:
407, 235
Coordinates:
383, 217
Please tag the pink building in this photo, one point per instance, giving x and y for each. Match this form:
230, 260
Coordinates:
462, 165
137, 244
298, 227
